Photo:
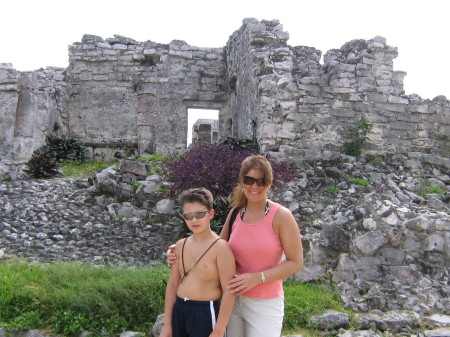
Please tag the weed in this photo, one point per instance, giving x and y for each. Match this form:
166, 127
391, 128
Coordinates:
435, 190
27, 320
134, 186
360, 181
376, 159
6, 177
333, 191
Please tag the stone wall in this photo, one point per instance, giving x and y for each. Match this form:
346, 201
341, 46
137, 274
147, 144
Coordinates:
120, 95
32, 104
137, 94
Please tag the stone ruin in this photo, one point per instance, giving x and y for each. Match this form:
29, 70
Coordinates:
205, 131
121, 95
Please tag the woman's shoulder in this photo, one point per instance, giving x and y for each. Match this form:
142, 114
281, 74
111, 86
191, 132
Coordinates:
282, 212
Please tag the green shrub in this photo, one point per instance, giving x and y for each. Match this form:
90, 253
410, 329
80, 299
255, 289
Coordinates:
64, 148
358, 135
45, 161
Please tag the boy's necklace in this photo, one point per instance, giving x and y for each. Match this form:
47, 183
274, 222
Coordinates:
182, 258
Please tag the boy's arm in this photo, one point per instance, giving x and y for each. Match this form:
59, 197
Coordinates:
227, 268
171, 294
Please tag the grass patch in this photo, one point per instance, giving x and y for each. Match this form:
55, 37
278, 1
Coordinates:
71, 297
85, 169
303, 300
435, 190
68, 298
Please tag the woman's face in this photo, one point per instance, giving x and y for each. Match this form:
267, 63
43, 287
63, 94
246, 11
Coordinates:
254, 185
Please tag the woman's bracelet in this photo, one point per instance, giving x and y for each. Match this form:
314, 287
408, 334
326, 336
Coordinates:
263, 277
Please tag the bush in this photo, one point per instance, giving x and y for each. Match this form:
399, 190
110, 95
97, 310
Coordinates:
64, 148
42, 165
358, 136
215, 167
44, 161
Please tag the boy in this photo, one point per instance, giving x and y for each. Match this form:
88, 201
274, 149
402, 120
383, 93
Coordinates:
199, 278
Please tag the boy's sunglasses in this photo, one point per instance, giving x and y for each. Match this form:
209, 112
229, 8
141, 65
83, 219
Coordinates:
197, 215
250, 181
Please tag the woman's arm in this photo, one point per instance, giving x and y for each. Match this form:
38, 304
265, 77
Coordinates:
227, 268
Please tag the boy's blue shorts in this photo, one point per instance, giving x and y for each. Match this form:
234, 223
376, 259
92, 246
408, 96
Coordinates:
194, 318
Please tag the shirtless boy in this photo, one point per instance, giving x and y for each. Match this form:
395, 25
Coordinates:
199, 278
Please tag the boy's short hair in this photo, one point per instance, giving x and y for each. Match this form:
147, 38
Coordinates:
200, 195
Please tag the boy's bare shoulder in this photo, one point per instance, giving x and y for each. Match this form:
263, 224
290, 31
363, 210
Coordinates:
222, 245
179, 243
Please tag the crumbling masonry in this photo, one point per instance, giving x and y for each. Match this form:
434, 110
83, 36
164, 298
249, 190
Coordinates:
120, 95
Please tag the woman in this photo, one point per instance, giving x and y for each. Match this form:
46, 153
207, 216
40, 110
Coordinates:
261, 232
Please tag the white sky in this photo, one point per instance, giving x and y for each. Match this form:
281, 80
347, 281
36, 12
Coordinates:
36, 33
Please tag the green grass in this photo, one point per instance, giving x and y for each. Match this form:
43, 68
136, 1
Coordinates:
85, 169
156, 163
67, 298
70, 297
435, 190
303, 300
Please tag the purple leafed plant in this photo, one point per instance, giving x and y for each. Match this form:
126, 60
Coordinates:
215, 167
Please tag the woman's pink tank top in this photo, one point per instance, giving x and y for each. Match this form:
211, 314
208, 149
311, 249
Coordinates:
256, 248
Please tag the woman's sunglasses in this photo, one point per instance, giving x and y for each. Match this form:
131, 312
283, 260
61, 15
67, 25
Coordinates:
250, 181
197, 215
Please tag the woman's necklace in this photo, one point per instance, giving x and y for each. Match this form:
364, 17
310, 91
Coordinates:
266, 210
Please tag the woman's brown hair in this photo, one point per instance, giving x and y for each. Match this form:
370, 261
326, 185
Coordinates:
256, 162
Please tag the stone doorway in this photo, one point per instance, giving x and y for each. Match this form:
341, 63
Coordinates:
203, 126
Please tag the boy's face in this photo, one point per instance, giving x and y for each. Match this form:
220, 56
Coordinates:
199, 216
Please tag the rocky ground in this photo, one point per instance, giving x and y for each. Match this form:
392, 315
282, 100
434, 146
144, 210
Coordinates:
386, 245
57, 219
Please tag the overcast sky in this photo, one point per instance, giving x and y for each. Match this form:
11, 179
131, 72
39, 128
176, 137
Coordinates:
36, 33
